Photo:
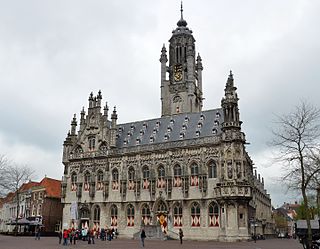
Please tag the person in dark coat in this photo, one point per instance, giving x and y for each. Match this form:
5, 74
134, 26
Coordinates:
142, 236
180, 235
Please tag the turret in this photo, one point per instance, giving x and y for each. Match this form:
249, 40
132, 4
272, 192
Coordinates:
106, 110
230, 106
113, 129
199, 69
73, 125
91, 100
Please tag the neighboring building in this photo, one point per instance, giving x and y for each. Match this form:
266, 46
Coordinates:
46, 207
39, 204
187, 169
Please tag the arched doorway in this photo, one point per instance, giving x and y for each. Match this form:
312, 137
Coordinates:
161, 210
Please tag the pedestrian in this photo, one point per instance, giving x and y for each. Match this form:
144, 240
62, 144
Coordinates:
180, 235
142, 236
37, 233
60, 236
65, 237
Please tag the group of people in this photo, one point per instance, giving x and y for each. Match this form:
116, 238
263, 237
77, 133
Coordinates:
71, 235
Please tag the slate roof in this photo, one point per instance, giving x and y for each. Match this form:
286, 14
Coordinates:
170, 128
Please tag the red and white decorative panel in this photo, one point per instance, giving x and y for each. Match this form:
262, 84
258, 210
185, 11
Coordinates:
163, 220
146, 184
177, 182
195, 220
161, 183
194, 181
96, 226
73, 187
115, 185
99, 186
131, 185
213, 220
114, 221
85, 224
86, 186
177, 220
130, 221
146, 220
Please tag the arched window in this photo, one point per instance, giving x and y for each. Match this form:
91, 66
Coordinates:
161, 183
96, 214
115, 179
78, 150
195, 214
212, 170
100, 180
84, 213
131, 178
145, 177
87, 178
194, 181
146, 214
114, 216
92, 142
177, 181
162, 207
74, 180
213, 213
177, 215
130, 215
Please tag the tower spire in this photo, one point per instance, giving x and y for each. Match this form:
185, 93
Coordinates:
181, 10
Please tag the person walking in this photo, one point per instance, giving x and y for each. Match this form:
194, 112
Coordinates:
142, 236
37, 233
60, 236
65, 237
180, 235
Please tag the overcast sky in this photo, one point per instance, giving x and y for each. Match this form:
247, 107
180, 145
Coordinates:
54, 53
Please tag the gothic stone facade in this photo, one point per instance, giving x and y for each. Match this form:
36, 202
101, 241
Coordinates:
186, 169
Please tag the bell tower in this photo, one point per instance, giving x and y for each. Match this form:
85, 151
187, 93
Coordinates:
182, 91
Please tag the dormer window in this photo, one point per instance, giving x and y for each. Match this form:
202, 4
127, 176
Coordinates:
132, 127
154, 131
202, 117
214, 131
186, 119
197, 133
166, 137
216, 123
151, 139
200, 125
181, 135
218, 115
138, 140
120, 129
158, 124
141, 132
171, 121
145, 125
184, 127
169, 129
125, 142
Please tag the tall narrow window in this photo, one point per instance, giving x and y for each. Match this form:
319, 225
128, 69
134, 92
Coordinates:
115, 179
177, 181
212, 170
131, 178
92, 142
74, 181
194, 175
100, 180
177, 215
96, 218
145, 177
130, 215
87, 181
114, 216
195, 214
146, 214
213, 213
161, 174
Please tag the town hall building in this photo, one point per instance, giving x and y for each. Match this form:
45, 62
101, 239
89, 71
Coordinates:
186, 169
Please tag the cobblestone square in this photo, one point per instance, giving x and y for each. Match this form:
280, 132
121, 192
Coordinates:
10, 242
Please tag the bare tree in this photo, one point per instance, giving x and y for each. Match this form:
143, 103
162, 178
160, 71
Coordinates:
3, 166
12, 178
297, 140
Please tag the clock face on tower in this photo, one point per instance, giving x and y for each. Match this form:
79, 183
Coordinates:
177, 72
